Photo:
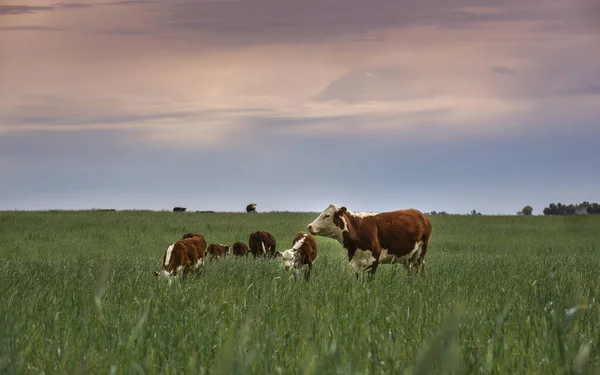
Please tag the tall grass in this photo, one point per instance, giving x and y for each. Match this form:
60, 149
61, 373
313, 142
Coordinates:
502, 295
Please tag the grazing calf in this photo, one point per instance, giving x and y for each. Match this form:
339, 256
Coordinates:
262, 243
217, 250
369, 239
186, 255
179, 209
301, 256
240, 249
251, 207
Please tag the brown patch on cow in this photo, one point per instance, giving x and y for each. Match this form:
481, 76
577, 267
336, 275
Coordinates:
397, 231
217, 250
337, 217
186, 253
306, 253
240, 249
262, 237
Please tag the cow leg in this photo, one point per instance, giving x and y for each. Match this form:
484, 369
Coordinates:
307, 273
372, 269
421, 260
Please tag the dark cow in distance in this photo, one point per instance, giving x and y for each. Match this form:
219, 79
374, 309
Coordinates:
217, 250
301, 256
179, 209
251, 207
262, 243
371, 238
192, 234
240, 249
187, 255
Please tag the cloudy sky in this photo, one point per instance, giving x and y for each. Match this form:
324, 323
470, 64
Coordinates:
294, 104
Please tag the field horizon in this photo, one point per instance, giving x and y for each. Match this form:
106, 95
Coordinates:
503, 294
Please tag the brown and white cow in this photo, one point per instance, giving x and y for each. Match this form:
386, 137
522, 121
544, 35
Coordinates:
251, 207
240, 249
262, 243
187, 255
371, 238
217, 250
301, 256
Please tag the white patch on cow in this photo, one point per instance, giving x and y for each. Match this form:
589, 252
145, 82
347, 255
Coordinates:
168, 256
414, 254
299, 243
199, 263
363, 214
361, 260
324, 226
288, 258
164, 274
263, 247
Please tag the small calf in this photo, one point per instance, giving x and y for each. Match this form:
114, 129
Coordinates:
217, 250
301, 256
187, 255
240, 249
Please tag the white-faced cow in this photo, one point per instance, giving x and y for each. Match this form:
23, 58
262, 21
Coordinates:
372, 238
301, 256
251, 207
187, 255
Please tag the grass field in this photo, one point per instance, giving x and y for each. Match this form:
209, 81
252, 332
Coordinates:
503, 295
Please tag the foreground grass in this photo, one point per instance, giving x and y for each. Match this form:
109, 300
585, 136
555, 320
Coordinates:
502, 295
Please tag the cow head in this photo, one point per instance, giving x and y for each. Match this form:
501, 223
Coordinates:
330, 223
288, 257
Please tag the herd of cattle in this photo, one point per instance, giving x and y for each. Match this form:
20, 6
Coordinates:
369, 239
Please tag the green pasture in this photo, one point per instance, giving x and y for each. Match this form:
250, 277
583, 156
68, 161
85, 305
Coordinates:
502, 295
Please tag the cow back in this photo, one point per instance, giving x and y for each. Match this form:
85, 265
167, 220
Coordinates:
240, 249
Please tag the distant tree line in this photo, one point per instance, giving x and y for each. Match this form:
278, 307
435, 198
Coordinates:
572, 209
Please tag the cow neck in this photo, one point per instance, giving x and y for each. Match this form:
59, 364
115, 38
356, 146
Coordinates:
353, 225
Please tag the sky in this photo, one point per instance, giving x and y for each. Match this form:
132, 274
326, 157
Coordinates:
375, 105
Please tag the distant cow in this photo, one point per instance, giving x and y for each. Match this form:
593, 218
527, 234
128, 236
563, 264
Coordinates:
217, 250
186, 255
262, 243
192, 234
251, 207
301, 256
240, 249
369, 239
179, 209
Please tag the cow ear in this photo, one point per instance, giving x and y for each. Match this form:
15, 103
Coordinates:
342, 210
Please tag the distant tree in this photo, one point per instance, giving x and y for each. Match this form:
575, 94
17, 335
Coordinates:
475, 213
571, 209
527, 210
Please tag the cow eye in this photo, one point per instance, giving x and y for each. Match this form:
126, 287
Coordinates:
326, 216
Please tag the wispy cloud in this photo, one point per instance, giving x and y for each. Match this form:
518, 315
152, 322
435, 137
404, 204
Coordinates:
30, 28
28, 9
